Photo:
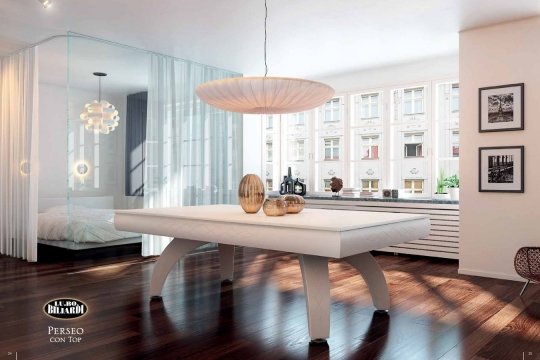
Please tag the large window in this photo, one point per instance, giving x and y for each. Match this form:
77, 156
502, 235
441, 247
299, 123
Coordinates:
371, 185
369, 106
413, 186
413, 101
370, 147
332, 110
395, 137
413, 144
331, 149
296, 150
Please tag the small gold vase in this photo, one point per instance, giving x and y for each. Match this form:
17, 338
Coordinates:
275, 207
295, 203
251, 193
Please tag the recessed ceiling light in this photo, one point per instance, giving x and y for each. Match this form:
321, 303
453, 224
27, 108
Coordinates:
46, 3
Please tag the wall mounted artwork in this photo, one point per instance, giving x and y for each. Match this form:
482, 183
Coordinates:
501, 108
501, 169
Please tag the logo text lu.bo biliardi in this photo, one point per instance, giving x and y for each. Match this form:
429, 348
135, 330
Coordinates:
65, 307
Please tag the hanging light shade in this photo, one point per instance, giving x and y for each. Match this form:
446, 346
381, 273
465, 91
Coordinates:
100, 116
264, 95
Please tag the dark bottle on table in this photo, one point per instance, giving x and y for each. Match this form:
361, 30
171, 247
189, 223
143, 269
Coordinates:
299, 187
287, 186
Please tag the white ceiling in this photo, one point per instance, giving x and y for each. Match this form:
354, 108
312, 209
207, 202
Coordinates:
311, 38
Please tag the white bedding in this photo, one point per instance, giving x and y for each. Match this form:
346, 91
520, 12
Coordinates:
80, 224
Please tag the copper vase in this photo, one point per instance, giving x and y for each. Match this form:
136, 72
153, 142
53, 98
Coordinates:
275, 207
251, 193
295, 203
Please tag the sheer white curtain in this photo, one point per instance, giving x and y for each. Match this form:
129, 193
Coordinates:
193, 151
19, 154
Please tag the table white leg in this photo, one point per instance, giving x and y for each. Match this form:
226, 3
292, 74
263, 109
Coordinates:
317, 290
226, 260
370, 270
176, 250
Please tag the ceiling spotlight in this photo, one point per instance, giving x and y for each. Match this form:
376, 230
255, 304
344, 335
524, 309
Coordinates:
45, 3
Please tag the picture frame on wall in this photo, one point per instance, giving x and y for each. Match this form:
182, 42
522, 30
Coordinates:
501, 169
502, 108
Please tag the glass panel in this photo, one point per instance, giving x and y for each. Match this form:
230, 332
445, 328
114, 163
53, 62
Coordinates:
408, 107
419, 106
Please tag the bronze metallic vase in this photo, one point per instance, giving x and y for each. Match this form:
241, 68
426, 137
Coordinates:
251, 193
295, 203
275, 207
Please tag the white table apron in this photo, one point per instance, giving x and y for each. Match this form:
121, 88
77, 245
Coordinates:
315, 243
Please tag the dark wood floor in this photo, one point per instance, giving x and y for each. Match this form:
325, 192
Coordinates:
436, 314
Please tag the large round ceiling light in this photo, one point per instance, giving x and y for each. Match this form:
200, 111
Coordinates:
264, 95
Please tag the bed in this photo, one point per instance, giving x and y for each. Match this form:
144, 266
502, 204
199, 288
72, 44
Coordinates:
83, 228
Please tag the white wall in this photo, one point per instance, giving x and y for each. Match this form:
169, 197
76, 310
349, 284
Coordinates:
425, 70
495, 225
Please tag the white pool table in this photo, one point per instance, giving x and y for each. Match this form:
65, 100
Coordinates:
314, 234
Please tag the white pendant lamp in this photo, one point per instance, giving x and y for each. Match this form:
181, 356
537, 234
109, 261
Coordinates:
100, 116
265, 94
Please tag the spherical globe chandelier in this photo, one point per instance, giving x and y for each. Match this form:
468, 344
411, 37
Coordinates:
100, 116
264, 94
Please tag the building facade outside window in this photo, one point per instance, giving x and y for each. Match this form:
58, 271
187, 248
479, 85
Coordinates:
391, 137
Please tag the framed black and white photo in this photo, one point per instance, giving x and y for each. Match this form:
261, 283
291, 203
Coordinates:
502, 169
502, 108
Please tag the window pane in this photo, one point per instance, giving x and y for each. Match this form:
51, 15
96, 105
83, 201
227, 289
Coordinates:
374, 110
327, 153
408, 107
365, 111
407, 94
419, 106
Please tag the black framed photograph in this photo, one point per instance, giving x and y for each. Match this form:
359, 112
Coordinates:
502, 169
502, 108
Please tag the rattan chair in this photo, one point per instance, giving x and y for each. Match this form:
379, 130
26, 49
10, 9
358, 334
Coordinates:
527, 265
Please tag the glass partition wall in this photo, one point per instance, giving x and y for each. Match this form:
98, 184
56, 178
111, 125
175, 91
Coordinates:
106, 101
138, 136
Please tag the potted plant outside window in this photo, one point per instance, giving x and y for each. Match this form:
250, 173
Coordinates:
452, 182
441, 193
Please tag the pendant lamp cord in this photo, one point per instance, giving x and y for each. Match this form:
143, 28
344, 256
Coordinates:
99, 93
265, 17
